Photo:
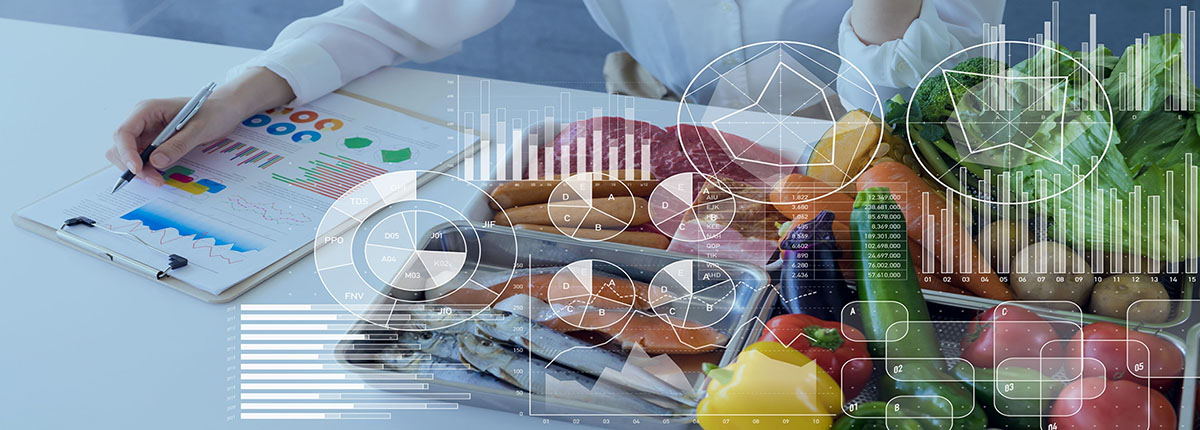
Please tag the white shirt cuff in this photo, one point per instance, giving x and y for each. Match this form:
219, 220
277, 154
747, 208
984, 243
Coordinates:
903, 62
307, 68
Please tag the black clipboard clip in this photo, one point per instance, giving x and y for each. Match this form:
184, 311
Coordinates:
174, 261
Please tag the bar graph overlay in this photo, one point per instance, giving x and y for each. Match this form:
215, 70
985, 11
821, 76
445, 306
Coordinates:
507, 144
285, 366
1180, 74
331, 175
242, 153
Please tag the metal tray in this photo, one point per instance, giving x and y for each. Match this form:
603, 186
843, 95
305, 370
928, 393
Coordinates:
544, 249
1191, 371
948, 321
1180, 320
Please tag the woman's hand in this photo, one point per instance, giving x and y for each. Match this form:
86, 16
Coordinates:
879, 21
251, 92
215, 120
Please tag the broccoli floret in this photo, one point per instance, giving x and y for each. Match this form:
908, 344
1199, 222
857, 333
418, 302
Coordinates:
934, 98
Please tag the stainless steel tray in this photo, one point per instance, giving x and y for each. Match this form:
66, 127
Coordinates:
542, 249
950, 327
1180, 320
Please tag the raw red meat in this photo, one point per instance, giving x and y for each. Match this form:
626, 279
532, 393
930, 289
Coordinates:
681, 149
751, 235
612, 132
705, 149
730, 244
673, 150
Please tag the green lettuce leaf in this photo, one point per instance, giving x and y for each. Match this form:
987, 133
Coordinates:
1146, 146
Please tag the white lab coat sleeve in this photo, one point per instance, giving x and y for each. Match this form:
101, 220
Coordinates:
320, 54
942, 28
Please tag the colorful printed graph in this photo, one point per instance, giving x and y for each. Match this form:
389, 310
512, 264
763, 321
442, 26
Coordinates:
166, 223
396, 156
332, 176
357, 142
241, 151
267, 211
181, 177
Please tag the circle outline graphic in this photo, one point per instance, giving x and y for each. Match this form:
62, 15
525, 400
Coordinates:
1102, 92
346, 227
876, 105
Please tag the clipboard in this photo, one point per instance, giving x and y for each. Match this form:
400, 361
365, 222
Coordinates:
159, 271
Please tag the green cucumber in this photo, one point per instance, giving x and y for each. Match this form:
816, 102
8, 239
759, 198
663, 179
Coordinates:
915, 379
875, 416
1024, 399
887, 283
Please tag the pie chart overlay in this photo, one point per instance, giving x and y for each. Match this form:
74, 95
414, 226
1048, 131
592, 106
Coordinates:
591, 294
692, 207
692, 294
392, 254
573, 206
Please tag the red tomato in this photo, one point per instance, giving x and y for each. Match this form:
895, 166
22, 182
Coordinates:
1123, 354
1009, 331
1094, 403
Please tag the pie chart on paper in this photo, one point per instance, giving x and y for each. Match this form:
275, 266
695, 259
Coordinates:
691, 207
394, 255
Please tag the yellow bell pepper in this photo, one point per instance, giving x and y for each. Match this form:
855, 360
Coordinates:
769, 386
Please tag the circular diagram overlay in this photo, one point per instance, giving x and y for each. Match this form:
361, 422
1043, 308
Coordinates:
1014, 135
591, 202
398, 258
692, 207
692, 294
401, 234
758, 112
591, 294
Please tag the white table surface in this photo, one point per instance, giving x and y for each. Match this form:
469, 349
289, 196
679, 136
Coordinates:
84, 344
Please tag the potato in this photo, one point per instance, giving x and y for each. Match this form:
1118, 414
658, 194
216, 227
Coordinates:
1110, 260
1113, 296
1003, 239
1051, 271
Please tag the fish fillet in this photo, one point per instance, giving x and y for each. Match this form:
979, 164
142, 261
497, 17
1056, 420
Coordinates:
606, 292
657, 335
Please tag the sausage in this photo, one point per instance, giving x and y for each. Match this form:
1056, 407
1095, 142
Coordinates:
521, 193
590, 214
636, 238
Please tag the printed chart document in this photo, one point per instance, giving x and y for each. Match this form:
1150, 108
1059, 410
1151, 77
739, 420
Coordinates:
235, 206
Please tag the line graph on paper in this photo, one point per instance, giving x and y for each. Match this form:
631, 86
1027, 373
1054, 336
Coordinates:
177, 229
269, 212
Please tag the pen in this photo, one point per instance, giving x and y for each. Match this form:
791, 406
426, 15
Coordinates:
189, 110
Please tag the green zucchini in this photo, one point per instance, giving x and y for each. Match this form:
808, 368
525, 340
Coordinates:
875, 416
887, 283
896, 320
1025, 398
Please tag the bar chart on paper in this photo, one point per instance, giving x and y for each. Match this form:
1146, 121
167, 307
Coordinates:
331, 175
242, 153
285, 366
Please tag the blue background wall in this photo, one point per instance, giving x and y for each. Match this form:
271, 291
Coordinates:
543, 41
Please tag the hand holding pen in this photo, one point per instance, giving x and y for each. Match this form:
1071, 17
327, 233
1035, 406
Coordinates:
230, 103
176, 124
